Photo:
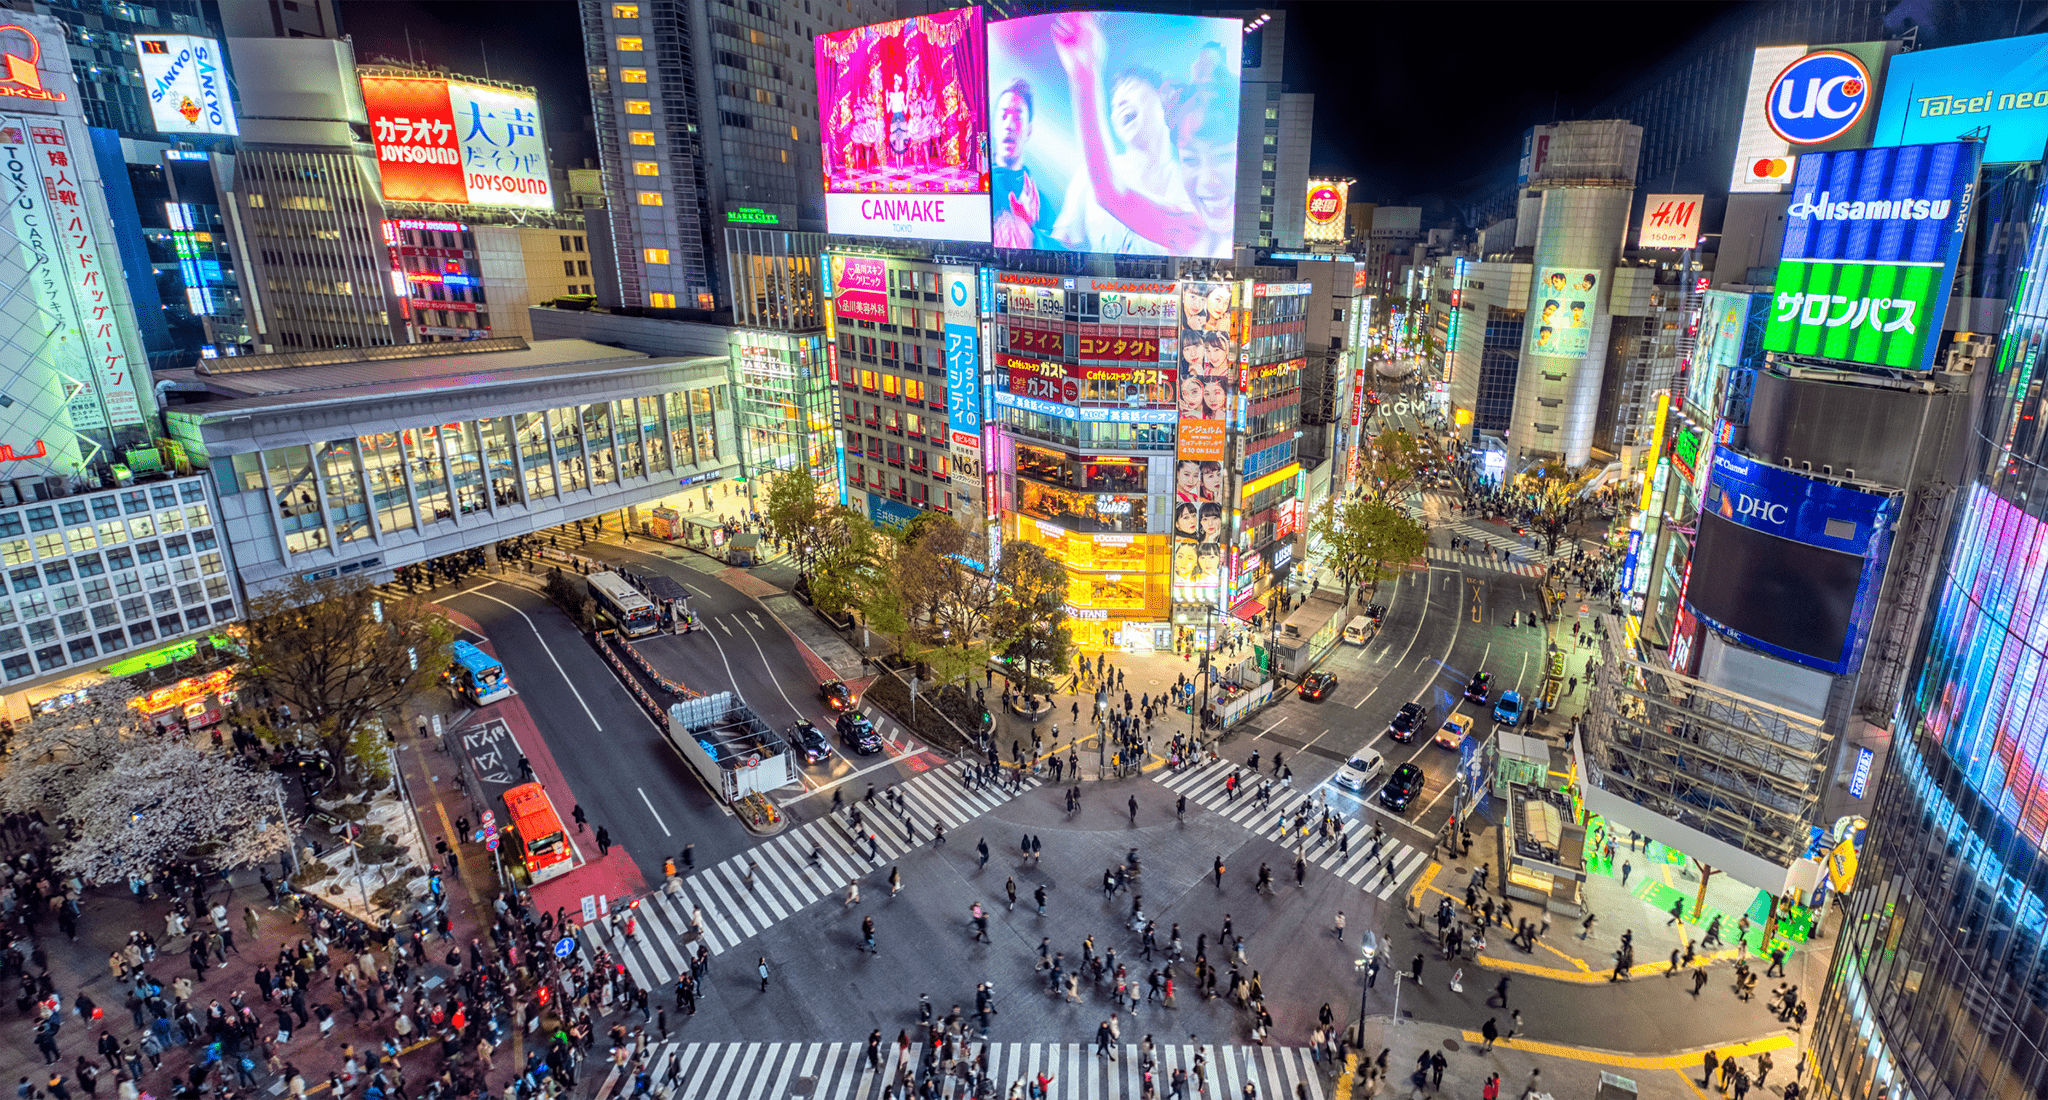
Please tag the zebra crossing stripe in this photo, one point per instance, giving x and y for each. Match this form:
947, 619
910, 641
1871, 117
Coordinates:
1361, 867
785, 882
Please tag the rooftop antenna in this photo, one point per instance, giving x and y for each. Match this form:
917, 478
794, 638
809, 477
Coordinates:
408, 46
486, 49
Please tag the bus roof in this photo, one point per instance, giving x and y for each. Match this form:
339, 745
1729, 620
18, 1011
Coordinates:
471, 657
616, 587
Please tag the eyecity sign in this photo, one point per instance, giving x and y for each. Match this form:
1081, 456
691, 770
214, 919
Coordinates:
1818, 98
1871, 241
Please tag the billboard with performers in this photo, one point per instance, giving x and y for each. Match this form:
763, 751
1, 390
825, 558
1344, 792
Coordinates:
1206, 375
1114, 132
1565, 303
904, 122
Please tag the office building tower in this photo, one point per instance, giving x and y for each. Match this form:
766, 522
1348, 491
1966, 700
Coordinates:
304, 208
1272, 136
706, 114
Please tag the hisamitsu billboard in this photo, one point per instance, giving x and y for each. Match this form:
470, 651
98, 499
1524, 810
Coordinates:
1940, 95
1871, 241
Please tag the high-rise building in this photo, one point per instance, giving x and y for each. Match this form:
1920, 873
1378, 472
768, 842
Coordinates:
1940, 979
1272, 136
304, 208
706, 115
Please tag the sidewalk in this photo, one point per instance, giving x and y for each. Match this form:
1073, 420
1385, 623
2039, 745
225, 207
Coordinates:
1563, 1071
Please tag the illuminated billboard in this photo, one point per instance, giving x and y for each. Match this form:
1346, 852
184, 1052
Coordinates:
1565, 302
1115, 132
1670, 221
1207, 372
1788, 564
447, 141
1997, 86
1979, 687
963, 355
1804, 99
188, 88
1724, 346
1323, 217
904, 122
1871, 241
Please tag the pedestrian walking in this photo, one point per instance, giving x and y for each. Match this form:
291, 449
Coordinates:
1490, 1032
763, 968
604, 841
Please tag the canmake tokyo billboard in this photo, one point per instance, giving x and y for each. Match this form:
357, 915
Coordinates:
441, 140
904, 123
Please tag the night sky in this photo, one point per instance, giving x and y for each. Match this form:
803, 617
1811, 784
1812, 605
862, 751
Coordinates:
1422, 102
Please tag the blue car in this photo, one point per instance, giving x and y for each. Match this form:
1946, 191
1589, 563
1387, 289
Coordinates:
1508, 712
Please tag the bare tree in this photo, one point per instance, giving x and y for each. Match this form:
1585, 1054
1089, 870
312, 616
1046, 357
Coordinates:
342, 655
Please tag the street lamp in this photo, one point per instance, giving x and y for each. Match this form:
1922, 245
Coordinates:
1368, 968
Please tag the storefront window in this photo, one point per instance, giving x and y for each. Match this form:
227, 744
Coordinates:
597, 442
627, 420
567, 429
384, 466
679, 429
298, 504
497, 435
465, 466
650, 434
1079, 511
346, 502
429, 474
531, 430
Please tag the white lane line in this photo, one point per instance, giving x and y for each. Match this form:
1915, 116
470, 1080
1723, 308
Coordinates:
766, 667
549, 650
652, 810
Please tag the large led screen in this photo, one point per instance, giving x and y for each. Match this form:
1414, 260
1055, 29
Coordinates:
905, 127
1115, 132
1781, 592
1981, 688
1871, 241
1990, 87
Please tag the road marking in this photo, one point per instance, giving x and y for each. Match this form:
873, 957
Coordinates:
722, 626
757, 620
651, 809
766, 667
549, 650
1679, 1062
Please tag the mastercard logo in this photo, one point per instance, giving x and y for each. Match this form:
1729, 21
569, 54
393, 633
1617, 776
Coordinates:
1771, 168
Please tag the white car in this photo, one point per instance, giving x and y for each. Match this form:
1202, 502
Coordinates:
1452, 735
1362, 772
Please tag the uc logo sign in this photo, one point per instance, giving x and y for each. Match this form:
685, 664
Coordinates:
1818, 97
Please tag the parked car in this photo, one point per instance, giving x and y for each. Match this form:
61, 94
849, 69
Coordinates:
1316, 685
1406, 721
1508, 712
1453, 731
811, 741
837, 695
1401, 788
858, 734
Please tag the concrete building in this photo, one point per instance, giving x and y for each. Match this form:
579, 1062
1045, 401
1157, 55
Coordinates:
1272, 136
706, 115
350, 461
476, 278
303, 205
1390, 235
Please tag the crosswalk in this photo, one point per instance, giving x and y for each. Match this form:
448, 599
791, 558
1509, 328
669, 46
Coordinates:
1437, 555
783, 880
840, 1071
1362, 865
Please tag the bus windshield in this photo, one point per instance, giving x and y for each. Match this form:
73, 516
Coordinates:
634, 613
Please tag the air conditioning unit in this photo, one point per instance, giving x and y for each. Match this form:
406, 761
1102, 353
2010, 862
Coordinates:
1963, 355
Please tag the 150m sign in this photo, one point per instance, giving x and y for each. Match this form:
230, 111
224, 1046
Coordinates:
1873, 313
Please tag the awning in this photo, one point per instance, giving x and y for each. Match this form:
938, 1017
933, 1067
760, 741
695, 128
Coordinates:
1248, 610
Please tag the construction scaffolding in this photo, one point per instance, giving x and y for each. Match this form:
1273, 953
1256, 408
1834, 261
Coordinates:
1737, 769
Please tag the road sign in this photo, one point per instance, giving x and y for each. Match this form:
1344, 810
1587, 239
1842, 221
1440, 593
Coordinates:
565, 947
481, 834
490, 819
492, 844
589, 908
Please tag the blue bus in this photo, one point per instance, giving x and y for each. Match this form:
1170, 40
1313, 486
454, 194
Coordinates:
477, 676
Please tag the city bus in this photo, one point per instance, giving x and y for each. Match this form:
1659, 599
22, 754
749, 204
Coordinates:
624, 605
475, 675
537, 836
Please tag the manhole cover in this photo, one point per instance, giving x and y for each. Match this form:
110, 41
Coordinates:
804, 1086
1450, 1044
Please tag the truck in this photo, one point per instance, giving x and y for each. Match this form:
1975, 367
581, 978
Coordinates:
731, 749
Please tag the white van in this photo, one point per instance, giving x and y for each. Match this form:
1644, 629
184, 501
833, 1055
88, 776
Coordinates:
1358, 631
1363, 771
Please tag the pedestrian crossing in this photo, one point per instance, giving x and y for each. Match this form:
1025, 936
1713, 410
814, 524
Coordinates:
842, 1071
729, 908
1475, 560
1378, 870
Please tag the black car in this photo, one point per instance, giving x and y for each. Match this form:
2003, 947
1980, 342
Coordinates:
1401, 788
1316, 685
1376, 612
1476, 691
837, 695
811, 740
1406, 721
859, 734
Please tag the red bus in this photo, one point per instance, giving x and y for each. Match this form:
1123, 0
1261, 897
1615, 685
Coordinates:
537, 834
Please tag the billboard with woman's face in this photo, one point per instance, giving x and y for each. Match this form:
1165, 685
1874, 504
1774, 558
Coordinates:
1114, 132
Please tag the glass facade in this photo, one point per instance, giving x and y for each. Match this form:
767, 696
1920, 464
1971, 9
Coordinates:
97, 574
360, 489
1940, 984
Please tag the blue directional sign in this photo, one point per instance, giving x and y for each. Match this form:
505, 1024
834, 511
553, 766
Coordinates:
565, 947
